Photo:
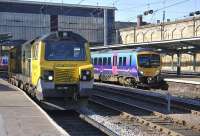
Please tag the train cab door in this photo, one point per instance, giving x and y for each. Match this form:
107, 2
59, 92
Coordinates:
114, 65
35, 63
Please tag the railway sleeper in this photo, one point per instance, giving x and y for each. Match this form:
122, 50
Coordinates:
163, 123
179, 121
195, 112
143, 122
152, 125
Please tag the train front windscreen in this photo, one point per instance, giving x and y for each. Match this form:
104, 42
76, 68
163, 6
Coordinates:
65, 51
149, 60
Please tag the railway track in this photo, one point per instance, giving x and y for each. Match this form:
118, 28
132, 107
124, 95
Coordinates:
118, 122
158, 98
148, 118
74, 120
108, 120
73, 124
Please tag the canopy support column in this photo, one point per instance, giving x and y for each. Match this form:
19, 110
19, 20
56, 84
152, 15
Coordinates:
194, 62
178, 72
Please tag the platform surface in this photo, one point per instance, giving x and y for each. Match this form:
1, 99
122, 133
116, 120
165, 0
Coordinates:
19, 116
184, 80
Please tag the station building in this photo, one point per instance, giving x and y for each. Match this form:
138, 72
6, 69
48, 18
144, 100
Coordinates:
25, 20
173, 36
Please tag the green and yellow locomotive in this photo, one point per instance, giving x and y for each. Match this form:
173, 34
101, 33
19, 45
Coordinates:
55, 65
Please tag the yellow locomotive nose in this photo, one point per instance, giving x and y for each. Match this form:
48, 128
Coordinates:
67, 75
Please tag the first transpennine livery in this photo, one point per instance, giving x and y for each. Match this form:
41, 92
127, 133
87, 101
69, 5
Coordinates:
132, 67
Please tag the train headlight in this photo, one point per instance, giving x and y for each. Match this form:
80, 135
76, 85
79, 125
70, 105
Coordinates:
86, 75
141, 72
48, 75
50, 78
157, 72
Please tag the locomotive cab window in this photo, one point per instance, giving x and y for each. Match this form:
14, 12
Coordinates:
35, 51
65, 50
149, 60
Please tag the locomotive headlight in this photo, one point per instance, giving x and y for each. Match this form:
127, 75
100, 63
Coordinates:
86, 75
50, 78
48, 75
88, 72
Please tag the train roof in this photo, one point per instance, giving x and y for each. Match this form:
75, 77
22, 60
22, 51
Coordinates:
123, 51
57, 35
64, 35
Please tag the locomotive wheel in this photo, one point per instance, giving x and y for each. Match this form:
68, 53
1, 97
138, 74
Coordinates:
75, 97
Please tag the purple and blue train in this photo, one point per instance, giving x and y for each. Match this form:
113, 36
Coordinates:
132, 67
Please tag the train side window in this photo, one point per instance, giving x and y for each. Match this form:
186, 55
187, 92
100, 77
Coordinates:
109, 61
100, 61
95, 61
124, 61
104, 61
92, 60
35, 51
130, 60
120, 61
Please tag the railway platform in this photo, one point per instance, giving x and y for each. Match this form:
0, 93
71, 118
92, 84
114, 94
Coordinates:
186, 86
20, 116
186, 80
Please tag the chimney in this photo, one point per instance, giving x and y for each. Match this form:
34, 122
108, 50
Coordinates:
139, 20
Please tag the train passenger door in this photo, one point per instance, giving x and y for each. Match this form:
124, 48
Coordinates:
114, 65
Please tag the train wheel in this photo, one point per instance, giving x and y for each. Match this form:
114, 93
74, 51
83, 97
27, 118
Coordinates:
121, 80
75, 97
101, 78
130, 82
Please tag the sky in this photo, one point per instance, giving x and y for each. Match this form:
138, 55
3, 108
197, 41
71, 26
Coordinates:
127, 10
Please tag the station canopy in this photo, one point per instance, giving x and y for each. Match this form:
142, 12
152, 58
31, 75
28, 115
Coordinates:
5, 40
186, 45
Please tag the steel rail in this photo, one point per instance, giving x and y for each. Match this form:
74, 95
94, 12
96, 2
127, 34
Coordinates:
145, 122
178, 103
85, 118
